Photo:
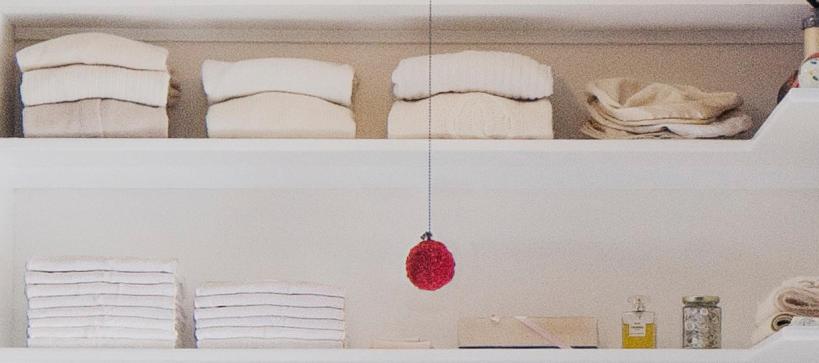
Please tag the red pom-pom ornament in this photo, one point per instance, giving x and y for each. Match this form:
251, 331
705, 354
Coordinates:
430, 265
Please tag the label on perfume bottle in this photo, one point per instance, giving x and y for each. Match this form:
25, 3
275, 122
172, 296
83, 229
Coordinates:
637, 329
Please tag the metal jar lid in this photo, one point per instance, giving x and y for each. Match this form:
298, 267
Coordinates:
701, 300
811, 21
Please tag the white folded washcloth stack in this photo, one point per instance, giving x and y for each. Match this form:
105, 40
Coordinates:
103, 302
279, 98
797, 297
474, 95
95, 85
271, 314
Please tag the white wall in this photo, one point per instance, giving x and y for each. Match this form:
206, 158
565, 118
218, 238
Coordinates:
524, 252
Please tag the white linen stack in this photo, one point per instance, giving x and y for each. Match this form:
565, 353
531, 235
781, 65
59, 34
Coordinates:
279, 98
95, 85
475, 95
271, 314
103, 302
797, 297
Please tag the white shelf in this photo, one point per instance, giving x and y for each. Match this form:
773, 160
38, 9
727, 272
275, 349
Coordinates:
791, 345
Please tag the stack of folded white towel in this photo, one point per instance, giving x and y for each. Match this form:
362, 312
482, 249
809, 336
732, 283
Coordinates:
103, 302
272, 314
279, 98
623, 108
797, 297
95, 85
475, 95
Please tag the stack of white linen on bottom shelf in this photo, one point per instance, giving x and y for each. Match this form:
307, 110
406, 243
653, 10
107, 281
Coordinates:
103, 302
272, 314
475, 95
797, 297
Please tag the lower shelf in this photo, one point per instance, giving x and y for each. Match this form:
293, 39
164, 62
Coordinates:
792, 344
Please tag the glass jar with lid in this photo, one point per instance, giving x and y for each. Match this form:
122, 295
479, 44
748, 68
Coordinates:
702, 322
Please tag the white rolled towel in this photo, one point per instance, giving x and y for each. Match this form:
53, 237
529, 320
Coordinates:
329, 81
268, 310
93, 49
35, 277
104, 321
256, 343
273, 287
101, 343
502, 74
164, 302
105, 311
89, 263
280, 115
92, 288
102, 332
271, 321
307, 301
269, 333
95, 118
471, 116
81, 82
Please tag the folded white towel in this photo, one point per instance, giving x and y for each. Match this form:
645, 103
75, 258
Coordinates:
271, 321
101, 343
35, 277
280, 115
105, 311
799, 296
93, 49
102, 332
729, 124
256, 343
330, 81
95, 118
272, 287
80, 82
471, 116
104, 321
306, 301
85, 263
166, 302
269, 333
93, 288
268, 310
503, 74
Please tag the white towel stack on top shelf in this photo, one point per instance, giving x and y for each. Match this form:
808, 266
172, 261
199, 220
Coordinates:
103, 302
279, 98
272, 314
95, 85
475, 95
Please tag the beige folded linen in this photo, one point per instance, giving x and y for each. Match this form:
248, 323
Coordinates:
101, 343
280, 115
329, 81
578, 332
95, 118
799, 296
471, 116
93, 49
257, 343
400, 344
81, 82
633, 100
503, 74
593, 129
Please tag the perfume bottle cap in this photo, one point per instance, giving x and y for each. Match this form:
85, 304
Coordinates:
639, 302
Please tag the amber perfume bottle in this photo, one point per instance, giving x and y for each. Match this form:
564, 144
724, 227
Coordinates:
639, 327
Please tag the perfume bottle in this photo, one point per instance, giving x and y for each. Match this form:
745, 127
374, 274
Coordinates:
639, 327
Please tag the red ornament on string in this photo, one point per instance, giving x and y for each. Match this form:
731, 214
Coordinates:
430, 265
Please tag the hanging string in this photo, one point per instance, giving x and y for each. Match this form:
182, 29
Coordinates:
428, 235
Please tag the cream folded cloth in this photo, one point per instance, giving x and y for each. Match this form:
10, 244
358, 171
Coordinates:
770, 326
400, 344
80, 82
271, 321
101, 343
729, 124
104, 321
799, 296
87, 263
269, 333
280, 115
273, 287
472, 116
502, 74
104, 311
307, 301
268, 310
165, 302
93, 49
256, 343
633, 100
102, 332
329, 81
530, 332
35, 277
92, 288
95, 118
